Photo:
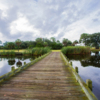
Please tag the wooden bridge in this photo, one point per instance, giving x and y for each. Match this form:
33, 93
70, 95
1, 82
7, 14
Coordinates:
48, 79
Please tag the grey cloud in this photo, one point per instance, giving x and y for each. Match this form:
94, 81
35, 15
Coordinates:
46, 16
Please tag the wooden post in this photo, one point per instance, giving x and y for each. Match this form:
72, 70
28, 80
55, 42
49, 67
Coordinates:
71, 63
24, 63
12, 68
76, 69
89, 84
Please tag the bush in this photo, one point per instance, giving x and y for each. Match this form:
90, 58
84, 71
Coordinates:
76, 50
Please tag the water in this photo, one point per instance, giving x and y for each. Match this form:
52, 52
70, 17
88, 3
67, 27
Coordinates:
7, 62
89, 68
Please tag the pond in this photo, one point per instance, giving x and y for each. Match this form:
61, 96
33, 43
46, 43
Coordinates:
7, 62
89, 68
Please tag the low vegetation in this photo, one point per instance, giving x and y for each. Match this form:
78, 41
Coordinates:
76, 50
7, 53
37, 51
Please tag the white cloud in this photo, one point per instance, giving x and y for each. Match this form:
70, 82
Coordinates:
43, 18
22, 26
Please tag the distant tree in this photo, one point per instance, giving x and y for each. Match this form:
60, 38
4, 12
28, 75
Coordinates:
11, 45
45, 44
39, 42
91, 39
75, 42
65, 41
53, 39
18, 43
69, 43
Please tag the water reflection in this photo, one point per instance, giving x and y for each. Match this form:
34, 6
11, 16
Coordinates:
89, 68
7, 62
19, 63
94, 60
11, 61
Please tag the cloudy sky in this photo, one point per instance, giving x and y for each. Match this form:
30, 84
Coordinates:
29, 19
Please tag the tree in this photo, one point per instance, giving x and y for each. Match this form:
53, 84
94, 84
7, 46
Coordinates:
10, 45
53, 39
18, 42
45, 44
65, 42
91, 39
75, 42
39, 42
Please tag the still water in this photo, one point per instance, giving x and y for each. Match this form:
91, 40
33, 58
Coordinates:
89, 68
7, 62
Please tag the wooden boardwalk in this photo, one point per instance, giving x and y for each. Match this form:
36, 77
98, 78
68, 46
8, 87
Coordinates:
48, 79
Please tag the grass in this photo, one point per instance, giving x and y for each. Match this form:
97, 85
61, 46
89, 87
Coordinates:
76, 50
7, 53
22, 50
56, 50
94, 50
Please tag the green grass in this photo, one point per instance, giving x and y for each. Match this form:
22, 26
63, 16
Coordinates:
22, 50
7, 53
56, 50
95, 50
76, 50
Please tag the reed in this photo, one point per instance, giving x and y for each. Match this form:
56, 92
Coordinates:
7, 53
76, 50
36, 51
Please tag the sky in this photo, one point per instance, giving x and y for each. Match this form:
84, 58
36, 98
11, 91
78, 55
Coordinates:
30, 19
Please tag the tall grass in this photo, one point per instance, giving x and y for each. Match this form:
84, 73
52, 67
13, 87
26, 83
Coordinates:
7, 53
76, 50
37, 51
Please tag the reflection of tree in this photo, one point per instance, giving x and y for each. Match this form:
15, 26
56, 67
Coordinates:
11, 61
19, 63
93, 61
78, 57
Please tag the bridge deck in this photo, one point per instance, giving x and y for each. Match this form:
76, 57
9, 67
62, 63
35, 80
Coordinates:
46, 80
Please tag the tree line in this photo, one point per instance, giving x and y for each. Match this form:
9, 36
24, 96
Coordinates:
39, 42
92, 40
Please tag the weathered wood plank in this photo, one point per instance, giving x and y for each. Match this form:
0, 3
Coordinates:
45, 80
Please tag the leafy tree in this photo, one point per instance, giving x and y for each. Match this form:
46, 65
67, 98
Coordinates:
10, 45
65, 41
45, 44
69, 43
18, 42
39, 42
91, 39
75, 42
53, 39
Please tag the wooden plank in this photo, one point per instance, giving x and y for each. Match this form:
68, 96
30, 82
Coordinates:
45, 80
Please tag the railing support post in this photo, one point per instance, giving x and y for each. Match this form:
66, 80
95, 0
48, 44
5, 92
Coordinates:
12, 68
89, 84
76, 69
24, 63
